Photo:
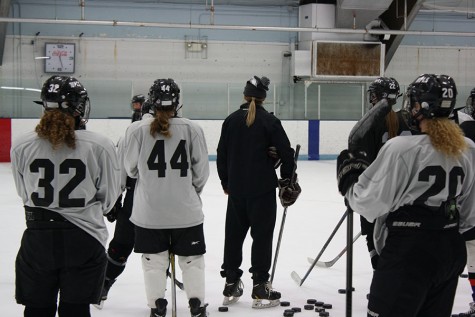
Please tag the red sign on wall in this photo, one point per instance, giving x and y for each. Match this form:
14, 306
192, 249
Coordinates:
5, 139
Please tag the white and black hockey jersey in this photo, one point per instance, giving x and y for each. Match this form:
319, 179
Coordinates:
171, 173
80, 184
409, 169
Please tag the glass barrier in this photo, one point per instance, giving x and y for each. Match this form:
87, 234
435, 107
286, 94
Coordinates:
207, 101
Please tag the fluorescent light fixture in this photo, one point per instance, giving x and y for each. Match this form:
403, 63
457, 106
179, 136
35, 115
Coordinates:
43, 57
20, 88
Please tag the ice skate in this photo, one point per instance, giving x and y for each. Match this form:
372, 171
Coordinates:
161, 308
470, 312
264, 296
105, 290
232, 292
196, 309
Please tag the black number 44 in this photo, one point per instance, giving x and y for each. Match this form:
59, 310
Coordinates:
178, 161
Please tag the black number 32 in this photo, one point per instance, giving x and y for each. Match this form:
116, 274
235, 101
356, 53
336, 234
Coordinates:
64, 168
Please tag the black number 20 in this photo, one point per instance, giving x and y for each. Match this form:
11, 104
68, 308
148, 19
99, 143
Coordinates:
440, 181
179, 159
45, 182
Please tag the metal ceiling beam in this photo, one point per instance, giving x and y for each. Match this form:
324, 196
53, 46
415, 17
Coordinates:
234, 27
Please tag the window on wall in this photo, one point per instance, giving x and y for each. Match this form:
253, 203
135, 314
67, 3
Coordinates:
335, 101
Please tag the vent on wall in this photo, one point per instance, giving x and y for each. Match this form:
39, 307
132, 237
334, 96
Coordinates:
337, 60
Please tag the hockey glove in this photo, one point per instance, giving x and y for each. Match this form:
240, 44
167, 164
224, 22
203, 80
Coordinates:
288, 192
112, 215
272, 152
349, 166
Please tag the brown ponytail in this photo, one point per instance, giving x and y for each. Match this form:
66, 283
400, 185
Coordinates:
392, 123
161, 123
57, 127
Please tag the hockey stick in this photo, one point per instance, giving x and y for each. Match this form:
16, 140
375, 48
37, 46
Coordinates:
297, 150
177, 282
294, 274
349, 263
357, 141
172, 264
332, 262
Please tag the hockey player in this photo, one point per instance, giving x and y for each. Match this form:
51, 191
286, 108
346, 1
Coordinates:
169, 157
382, 88
468, 128
68, 180
136, 104
249, 179
425, 186
122, 244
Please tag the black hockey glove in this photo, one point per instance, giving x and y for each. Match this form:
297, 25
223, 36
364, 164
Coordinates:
272, 152
374, 258
288, 191
349, 166
112, 215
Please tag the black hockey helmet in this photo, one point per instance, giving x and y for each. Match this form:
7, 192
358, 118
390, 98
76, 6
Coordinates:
470, 104
147, 108
138, 98
436, 95
164, 94
383, 88
67, 94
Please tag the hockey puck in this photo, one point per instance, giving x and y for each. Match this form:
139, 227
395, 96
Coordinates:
463, 275
327, 306
319, 309
319, 304
308, 307
289, 313
223, 309
311, 301
284, 303
296, 309
324, 314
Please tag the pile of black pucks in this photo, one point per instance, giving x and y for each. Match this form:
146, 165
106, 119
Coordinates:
312, 304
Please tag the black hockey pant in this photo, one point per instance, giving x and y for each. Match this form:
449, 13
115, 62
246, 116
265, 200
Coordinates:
417, 274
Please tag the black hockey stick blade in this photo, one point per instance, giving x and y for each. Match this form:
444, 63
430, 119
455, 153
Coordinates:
332, 262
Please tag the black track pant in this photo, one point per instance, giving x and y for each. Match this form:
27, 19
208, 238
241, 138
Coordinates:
258, 214
417, 274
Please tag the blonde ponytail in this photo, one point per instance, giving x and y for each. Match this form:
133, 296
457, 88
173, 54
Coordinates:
446, 136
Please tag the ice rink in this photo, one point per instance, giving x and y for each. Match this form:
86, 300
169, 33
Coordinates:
308, 225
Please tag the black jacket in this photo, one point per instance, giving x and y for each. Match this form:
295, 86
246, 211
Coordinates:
244, 166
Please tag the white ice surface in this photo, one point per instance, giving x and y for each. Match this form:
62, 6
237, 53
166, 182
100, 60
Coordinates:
308, 225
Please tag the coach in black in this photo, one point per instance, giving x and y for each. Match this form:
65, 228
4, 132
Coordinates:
249, 179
